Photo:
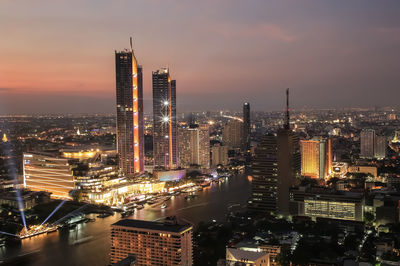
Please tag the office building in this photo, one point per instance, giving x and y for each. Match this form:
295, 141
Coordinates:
194, 146
47, 172
326, 203
232, 134
246, 126
153, 243
316, 158
219, 155
276, 168
130, 138
164, 120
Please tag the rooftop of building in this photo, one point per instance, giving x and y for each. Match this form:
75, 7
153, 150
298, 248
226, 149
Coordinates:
163, 70
248, 256
328, 191
167, 226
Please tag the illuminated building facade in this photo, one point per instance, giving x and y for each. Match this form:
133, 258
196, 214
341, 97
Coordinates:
165, 148
194, 146
320, 202
316, 158
130, 138
245, 257
246, 126
232, 134
153, 243
48, 173
396, 137
111, 191
4, 139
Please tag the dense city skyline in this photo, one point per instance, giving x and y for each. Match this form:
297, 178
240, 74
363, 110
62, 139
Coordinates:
58, 57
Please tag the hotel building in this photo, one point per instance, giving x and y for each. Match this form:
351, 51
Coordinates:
153, 243
194, 146
316, 157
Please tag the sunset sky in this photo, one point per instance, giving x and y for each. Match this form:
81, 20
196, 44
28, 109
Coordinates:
57, 56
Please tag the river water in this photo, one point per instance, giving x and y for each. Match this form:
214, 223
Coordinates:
57, 249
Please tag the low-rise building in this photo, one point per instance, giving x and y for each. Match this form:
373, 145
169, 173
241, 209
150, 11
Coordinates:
326, 203
239, 257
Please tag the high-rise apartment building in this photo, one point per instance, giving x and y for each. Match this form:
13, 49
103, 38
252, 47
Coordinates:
153, 243
219, 155
380, 147
367, 143
316, 157
194, 145
276, 167
130, 138
246, 126
46, 172
371, 145
232, 134
164, 120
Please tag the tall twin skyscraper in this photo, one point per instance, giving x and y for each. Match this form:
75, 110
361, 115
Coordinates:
165, 149
130, 137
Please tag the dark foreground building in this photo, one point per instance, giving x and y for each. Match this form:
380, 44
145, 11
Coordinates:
276, 168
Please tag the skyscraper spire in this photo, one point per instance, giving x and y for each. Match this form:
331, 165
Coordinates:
287, 124
130, 41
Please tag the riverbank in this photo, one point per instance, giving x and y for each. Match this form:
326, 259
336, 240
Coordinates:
212, 203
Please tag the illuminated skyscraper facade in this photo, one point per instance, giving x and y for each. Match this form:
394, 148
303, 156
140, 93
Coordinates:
130, 138
165, 148
316, 157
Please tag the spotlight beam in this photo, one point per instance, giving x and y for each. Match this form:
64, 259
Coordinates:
54, 211
5, 233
